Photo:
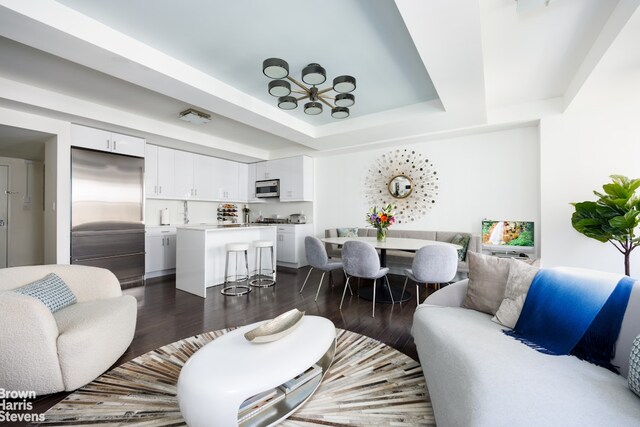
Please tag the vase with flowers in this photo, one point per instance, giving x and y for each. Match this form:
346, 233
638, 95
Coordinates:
381, 220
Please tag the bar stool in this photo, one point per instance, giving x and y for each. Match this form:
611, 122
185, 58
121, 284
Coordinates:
263, 278
231, 282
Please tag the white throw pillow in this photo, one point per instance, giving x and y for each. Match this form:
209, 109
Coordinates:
521, 275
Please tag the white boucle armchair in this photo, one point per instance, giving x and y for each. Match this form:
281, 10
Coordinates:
51, 352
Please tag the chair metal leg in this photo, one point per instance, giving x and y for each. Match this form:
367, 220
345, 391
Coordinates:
344, 292
320, 285
373, 312
346, 279
406, 279
305, 280
389, 288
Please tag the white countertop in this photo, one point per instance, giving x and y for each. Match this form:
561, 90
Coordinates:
219, 227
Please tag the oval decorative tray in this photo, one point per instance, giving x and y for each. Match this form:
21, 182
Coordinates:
276, 328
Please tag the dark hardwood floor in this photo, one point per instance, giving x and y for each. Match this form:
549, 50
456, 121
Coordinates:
166, 315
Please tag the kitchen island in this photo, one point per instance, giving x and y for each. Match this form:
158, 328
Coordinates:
201, 252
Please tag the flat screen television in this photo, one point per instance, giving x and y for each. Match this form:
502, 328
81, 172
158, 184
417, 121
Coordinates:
508, 236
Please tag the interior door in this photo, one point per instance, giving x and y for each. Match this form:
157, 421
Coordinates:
4, 213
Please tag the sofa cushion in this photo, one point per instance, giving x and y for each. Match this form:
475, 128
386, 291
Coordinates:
634, 367
479, 377
347, 232
51, 290
461, 240
521, 275
487, 281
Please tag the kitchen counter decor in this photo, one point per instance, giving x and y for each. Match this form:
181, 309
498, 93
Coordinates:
227, 213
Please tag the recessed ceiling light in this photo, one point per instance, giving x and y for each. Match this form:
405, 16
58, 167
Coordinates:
194, 116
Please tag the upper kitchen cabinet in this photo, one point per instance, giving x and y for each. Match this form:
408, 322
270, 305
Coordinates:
268, 170
159, 167
243, 182
203, 177
96, 139
296, 181
183, 175
225, 179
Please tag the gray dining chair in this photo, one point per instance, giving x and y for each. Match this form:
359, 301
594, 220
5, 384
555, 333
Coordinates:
432, 264
318, 259
361, 260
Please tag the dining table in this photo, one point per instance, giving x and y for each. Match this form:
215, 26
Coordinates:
383, 290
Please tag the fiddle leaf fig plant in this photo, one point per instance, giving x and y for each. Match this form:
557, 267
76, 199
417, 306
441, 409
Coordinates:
613, 218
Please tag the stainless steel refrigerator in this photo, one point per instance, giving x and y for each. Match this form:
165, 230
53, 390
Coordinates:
107, 213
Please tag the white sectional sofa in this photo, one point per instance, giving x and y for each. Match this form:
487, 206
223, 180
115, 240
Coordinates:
477, 376
50, 352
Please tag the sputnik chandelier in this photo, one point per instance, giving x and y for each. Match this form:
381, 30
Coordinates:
313, 75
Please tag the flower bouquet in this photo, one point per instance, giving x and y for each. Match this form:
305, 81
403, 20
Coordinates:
381, 219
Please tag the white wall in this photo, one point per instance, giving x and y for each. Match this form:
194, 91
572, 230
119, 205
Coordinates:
26, 220
579, 150
490, 175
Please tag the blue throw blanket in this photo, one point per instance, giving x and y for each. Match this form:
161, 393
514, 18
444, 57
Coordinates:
573, 311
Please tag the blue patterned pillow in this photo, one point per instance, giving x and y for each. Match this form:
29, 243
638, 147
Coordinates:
51, 291
347, 232
634, 367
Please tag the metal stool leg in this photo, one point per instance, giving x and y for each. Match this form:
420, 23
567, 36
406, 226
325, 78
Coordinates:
231, 287
259, 280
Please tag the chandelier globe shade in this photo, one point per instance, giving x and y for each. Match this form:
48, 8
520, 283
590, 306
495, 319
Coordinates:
279, 88
287, 103
314, 74
275, 68
340, 112
344, 84
313, 108
344, 100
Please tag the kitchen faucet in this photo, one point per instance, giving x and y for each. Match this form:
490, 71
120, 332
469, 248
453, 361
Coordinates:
185, 212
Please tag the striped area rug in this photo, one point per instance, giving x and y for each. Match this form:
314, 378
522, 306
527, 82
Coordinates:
368, 384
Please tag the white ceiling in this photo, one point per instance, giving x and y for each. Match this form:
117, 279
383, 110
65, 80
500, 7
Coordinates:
423, 68
229, 40
22, 143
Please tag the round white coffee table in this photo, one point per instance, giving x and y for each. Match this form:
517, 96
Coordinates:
221, 375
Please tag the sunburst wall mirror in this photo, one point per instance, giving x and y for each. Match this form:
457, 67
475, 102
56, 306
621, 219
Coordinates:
404, 179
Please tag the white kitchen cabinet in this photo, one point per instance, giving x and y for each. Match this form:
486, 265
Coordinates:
225, 176
183, 175
97, 139
204, 187
270, 169
159, 167
151, 170
296, 183
290, 250
160, 247
243, 186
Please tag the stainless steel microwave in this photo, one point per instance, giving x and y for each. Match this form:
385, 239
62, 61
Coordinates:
269, 188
